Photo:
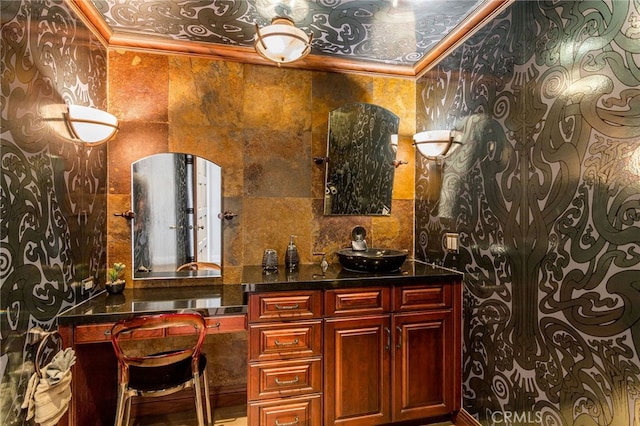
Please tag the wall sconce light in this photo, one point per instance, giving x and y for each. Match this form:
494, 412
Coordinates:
435, 144
90, 125
281, 42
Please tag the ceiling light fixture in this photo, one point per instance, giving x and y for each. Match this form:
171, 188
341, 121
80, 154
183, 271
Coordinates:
90, 125
435, 144
281, 42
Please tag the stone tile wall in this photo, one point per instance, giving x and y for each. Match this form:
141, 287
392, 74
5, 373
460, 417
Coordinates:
263, 125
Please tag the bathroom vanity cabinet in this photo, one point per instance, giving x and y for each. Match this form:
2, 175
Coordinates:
390, 350
322, 348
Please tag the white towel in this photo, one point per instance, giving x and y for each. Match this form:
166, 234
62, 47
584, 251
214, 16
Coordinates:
28, 402
52, 401
47, 398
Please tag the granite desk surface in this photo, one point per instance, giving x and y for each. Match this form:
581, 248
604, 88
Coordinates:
230, 299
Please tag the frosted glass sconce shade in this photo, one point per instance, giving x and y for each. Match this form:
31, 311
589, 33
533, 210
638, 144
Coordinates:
90, 125
437, 143
281, 42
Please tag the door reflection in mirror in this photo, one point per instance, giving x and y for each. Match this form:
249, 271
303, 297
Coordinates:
176, 198
361, 151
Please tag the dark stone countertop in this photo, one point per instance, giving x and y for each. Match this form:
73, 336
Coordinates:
309, 277
229, 299
214, 300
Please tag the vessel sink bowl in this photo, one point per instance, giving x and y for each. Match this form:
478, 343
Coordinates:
372, 259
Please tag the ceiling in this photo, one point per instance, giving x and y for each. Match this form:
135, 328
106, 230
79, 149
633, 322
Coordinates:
393, 37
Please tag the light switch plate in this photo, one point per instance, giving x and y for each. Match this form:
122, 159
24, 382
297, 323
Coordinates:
87, 284
451, 241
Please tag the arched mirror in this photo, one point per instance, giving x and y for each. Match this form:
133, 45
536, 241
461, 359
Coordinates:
176, 231
361, 150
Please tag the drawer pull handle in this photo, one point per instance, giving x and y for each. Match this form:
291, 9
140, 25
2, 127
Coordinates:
287, 382
295, 422
107, 332
287, 307
292, 343
216, 325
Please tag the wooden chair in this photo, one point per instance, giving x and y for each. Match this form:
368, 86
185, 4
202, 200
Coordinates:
194, 266
162, 373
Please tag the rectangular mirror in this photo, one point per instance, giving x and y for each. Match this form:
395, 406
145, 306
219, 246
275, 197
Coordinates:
361, 150
176, 231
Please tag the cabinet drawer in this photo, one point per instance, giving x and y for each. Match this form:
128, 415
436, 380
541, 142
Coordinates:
222, 324
432, 296
284, 378
287, 340
93, 333
102, 333
362, 301
294, 305
287, 412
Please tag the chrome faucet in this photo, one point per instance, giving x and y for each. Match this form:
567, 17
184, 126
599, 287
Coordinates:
358, 243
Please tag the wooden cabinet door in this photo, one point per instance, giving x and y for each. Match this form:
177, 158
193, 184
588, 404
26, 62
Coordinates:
358, 366
424, 365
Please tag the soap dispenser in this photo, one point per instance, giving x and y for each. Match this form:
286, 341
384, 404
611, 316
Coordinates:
291, 257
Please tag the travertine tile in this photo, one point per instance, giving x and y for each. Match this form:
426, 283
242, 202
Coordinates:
205, 92
277, 164
268, 222
138, 84
134, 140
277, 98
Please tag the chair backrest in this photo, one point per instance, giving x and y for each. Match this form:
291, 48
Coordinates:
194, 266
123, 330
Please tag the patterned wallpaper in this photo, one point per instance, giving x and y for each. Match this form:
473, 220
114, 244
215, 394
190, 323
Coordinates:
53, 190
378, 31
545, 194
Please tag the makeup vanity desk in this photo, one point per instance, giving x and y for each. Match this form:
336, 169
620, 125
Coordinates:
86, 329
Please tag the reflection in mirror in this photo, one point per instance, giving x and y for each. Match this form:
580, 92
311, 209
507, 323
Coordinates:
361, 149
176, 231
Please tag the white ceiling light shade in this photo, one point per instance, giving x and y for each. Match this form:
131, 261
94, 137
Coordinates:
437, 143
90, 125
281, 42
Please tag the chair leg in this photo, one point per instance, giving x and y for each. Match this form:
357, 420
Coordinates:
127, 417
198, 394
122, 401
207, 400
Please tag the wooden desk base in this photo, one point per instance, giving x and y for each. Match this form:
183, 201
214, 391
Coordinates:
94, 383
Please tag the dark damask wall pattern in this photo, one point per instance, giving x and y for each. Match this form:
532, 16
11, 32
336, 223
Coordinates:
372, 30
53, 190
545, 194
